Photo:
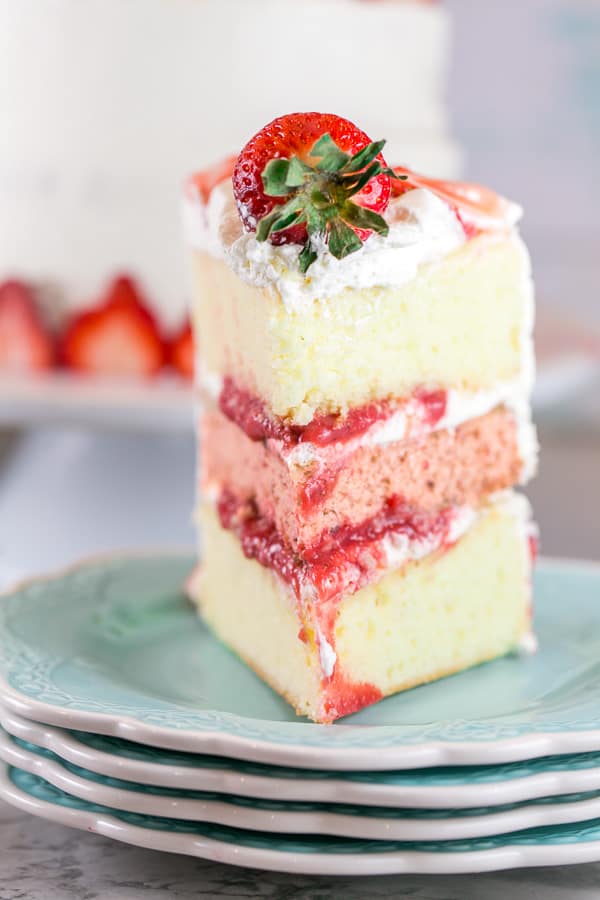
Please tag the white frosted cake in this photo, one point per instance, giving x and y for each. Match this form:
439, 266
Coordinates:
117, 99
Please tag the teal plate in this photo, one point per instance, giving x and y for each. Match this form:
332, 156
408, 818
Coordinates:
449, 787
297, 817
113, 647
310, 854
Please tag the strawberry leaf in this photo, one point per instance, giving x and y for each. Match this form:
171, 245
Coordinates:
318, 197
274, 178
296, 174
342, 239
265, 226
331, 158
364, 157
357, 182
307, 257
283, 222
360, 217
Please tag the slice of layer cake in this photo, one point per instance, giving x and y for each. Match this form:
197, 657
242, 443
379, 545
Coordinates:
365, 367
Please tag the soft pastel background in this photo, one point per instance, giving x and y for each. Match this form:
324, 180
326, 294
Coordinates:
525, 100
525, 97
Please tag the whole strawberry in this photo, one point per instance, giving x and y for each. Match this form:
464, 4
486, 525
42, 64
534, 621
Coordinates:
25, 343
181, 350
117, 337
310, 177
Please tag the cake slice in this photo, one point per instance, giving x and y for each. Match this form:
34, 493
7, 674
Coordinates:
365, 368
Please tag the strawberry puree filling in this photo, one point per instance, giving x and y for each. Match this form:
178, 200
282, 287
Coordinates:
339, 488
343, 696
249, 413
339, 565
342, 562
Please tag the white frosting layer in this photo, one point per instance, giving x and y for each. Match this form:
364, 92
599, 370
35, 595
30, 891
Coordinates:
423, 228
327, 655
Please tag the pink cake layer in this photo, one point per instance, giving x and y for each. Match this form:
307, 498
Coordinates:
340, 489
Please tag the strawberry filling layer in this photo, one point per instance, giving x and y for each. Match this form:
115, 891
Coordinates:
339, 565
249, 413
342, 562
340, 486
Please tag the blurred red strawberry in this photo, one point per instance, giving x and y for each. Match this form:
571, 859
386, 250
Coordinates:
118, 337
25, 344
181, 351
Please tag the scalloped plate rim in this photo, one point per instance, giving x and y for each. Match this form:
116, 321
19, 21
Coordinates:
363, 864
302, 822
210, 740
509, 790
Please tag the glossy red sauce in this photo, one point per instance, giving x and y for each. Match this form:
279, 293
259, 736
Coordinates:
343, 559
259, 538
329, 429
343, 696
249, 413
434, 405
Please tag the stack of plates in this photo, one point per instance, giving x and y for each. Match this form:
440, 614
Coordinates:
122, 715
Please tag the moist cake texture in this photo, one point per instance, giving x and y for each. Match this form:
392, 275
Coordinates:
364, 417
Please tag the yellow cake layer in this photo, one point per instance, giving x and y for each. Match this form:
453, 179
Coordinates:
462, 323
436, 616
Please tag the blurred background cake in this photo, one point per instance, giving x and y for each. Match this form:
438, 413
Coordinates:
127, 95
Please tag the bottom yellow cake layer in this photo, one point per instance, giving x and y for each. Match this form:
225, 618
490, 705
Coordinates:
435, 616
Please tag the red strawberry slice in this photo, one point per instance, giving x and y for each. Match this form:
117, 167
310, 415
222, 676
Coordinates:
25, 345
295, 135
206, 181
118, 337
181, 351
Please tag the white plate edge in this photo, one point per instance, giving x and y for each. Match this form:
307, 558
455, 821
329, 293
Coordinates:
399, 862
298, 822
510, 790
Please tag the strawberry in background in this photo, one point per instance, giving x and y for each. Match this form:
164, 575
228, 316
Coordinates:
119, 337
181, 351
25, 343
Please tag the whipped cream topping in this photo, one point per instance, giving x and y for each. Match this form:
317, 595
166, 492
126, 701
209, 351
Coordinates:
423, 228
327, 655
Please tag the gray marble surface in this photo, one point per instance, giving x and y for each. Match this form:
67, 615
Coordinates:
43, 861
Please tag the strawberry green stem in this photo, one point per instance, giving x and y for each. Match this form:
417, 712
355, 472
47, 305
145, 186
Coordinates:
319, 197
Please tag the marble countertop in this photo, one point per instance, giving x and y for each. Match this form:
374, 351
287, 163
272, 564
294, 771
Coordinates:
43, 861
